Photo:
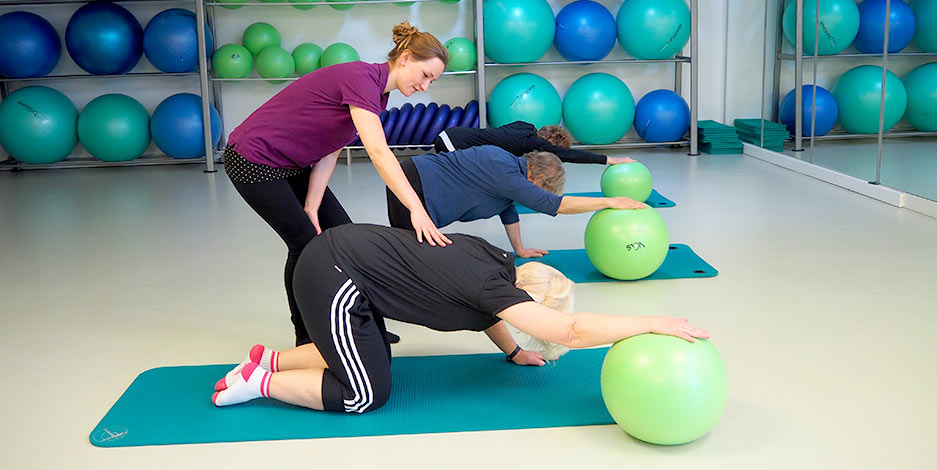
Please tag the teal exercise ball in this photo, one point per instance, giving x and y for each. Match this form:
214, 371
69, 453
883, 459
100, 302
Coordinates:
259, 36
38, 125
653, 29
517, 30
338, 53
858, 93
598, 109
627, 244
275, 62
114, 128
307, 57
925, 35
662, 389
524, 97
921, 85
462, 55
232, 61
627, 179
839, 25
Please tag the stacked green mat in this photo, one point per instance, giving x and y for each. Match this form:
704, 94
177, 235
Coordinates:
718, 139
750, 130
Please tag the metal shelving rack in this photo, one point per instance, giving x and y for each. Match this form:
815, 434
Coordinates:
10, 164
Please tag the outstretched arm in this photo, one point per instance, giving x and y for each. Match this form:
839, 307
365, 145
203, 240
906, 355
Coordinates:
502, 338
580, 204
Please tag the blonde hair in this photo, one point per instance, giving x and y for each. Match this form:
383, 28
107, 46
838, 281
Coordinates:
549, 169
550, 288
555, 135
423, 46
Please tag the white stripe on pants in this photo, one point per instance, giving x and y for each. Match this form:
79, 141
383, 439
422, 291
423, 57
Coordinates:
347, 351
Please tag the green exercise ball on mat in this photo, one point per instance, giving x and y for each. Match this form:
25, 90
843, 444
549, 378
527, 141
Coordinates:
518, 30
307, 57
114, 128
302, 7
341, 7
627, 179
524, 97
259, 36
921, 85
598, 109
38, 125
232, 61
338, 53
662, 389
627, 244
275, 62
925, 34
858, 93
653, 29
233, 4
462, 54
839, 25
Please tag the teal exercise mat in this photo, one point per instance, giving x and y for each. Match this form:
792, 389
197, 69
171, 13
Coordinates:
681, 262
654, 200
430, 394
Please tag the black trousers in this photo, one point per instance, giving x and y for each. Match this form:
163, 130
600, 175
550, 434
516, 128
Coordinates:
397, 214
280, 203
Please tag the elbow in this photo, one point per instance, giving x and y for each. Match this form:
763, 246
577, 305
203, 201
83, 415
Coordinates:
574, 338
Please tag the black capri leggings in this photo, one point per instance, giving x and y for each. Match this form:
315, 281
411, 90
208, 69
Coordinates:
397, 214
350, 335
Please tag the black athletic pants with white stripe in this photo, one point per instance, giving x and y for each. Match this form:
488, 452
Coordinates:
348, 333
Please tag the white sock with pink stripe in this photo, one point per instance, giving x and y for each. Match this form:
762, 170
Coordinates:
266, 358
253, 382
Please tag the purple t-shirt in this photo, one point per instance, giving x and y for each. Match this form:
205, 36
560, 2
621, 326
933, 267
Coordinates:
310, 118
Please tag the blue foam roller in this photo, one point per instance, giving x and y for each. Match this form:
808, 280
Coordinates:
383, 115
390, 122
470, 114
439, 123
454, 117
406, 137
405, 111
423, 126
475, 124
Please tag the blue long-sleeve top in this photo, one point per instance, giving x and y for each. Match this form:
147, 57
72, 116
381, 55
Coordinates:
477, 183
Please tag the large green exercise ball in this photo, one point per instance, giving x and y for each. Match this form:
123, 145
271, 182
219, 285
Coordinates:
925, 35
232, 4
114, 128
839, 24
307, 57
627, 179
259, 36
462, 55
524, 97
921, 85
232, 61
275, 62
858, 93
627, 244
598, 109
664, 390
518, 30
38, 125
653, 29
338, 53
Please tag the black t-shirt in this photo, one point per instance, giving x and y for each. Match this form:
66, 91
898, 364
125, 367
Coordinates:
458, 287
518, 137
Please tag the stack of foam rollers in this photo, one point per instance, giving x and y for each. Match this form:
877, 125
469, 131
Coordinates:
418, 126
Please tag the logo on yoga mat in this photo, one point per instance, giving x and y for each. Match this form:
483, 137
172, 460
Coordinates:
111, 433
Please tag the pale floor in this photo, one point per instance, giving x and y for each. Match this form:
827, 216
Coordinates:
824, 312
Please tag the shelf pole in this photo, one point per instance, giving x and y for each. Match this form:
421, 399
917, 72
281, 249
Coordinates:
694, 77
798, 77
203, 85
480, 72
881, 109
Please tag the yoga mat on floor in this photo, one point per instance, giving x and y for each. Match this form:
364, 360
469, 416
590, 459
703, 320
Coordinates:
654, 200
681, 262
430, 394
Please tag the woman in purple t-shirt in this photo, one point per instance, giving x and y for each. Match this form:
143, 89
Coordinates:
281, 157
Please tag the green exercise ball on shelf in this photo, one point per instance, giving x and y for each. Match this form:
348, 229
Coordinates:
403, 4
232, 61
626, 244
233, 4
598, 109
303, 7
839, 25
653, 29
925, 34
338, 53
114, 128
307, 57
524, 97
631, 180
259, 36
662, 389
858, 93
341, 7
518, 30
462, 54
275, 62
38, 125
449, 1
921, 85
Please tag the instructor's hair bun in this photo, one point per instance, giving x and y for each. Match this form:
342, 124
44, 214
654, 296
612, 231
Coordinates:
403, 32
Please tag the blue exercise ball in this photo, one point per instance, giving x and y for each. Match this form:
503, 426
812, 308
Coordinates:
827, 110
585, 30
177, 127
871, 36
104, 38
29, 45
170, 41
661, 116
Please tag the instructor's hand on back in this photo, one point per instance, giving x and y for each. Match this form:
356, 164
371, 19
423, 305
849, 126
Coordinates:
425, 228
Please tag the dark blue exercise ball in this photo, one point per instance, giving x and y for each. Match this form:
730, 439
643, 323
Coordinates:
827, 110
104, 38
177, 126
29, 45
170, 41
871, 36
585, 30
661, 116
